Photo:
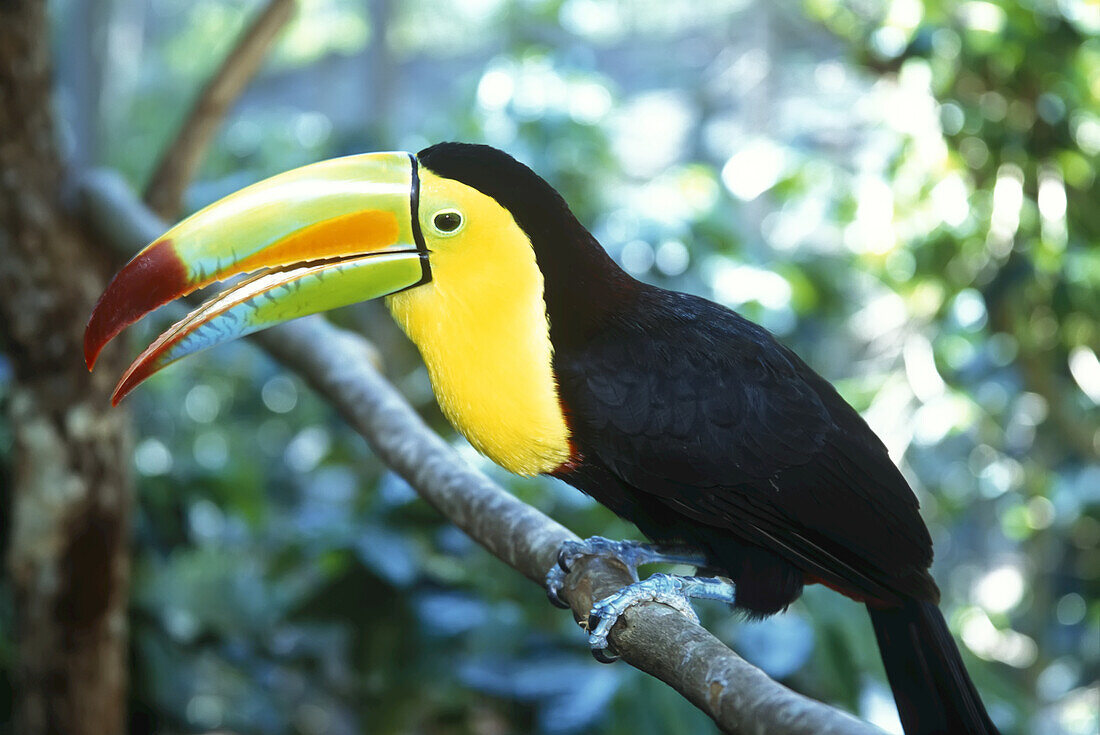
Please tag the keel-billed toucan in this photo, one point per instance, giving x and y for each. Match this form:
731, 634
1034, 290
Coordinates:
678, 414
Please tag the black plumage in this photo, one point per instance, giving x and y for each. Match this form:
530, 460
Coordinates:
736, 442
698, 426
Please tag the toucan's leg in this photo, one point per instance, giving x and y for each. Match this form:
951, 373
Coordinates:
632, 554
668, 589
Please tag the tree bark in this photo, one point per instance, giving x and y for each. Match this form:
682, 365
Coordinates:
70, 497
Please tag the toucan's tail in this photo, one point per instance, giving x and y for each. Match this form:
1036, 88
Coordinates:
931, 687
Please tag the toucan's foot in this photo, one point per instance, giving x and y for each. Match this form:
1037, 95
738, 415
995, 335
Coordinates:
631, 553
667, 589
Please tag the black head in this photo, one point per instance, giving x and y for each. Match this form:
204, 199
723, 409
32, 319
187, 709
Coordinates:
537, 207
581, 280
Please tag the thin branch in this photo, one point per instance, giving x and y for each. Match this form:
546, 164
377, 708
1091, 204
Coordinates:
652, 637
180, 160
1038, 367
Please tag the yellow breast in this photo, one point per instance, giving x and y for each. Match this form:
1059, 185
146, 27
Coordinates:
481, 327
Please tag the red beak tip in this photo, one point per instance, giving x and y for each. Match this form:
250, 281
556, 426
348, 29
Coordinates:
92, 345
154, 277
121, 391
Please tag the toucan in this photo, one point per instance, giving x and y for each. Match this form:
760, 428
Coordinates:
678, 414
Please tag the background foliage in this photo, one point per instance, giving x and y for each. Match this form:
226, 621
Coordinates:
905, 192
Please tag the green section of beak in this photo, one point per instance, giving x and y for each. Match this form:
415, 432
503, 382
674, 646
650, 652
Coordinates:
322, 236
331, 209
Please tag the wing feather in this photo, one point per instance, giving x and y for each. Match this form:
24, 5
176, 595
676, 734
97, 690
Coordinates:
705, 411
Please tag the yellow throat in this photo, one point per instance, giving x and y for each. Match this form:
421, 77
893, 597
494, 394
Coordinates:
482, 330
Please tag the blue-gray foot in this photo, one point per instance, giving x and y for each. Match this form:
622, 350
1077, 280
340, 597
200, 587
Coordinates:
632, 554
668, 589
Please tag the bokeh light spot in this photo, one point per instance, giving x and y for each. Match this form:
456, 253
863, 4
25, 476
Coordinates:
279, 394
202, 404
152, 458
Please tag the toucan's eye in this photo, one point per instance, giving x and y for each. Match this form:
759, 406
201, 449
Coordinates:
447, 222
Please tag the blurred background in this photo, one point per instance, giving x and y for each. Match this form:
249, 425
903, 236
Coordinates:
905, 192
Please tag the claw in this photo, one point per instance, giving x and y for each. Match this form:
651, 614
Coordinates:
555, 581
563, 556
605, 655
555, 600
598, 644
593, 620
569, 552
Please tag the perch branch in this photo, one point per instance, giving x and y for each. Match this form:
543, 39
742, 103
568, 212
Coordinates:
177, 165
739, 697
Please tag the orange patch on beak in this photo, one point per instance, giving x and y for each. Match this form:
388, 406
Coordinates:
360, 232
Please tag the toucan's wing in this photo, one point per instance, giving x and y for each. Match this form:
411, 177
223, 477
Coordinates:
698, 407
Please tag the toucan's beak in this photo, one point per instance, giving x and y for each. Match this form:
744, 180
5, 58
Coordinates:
322, 236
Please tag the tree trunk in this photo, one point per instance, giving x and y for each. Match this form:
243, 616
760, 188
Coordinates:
70, 495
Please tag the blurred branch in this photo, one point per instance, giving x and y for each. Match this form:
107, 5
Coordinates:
652, 637
1040, 376
180, 160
